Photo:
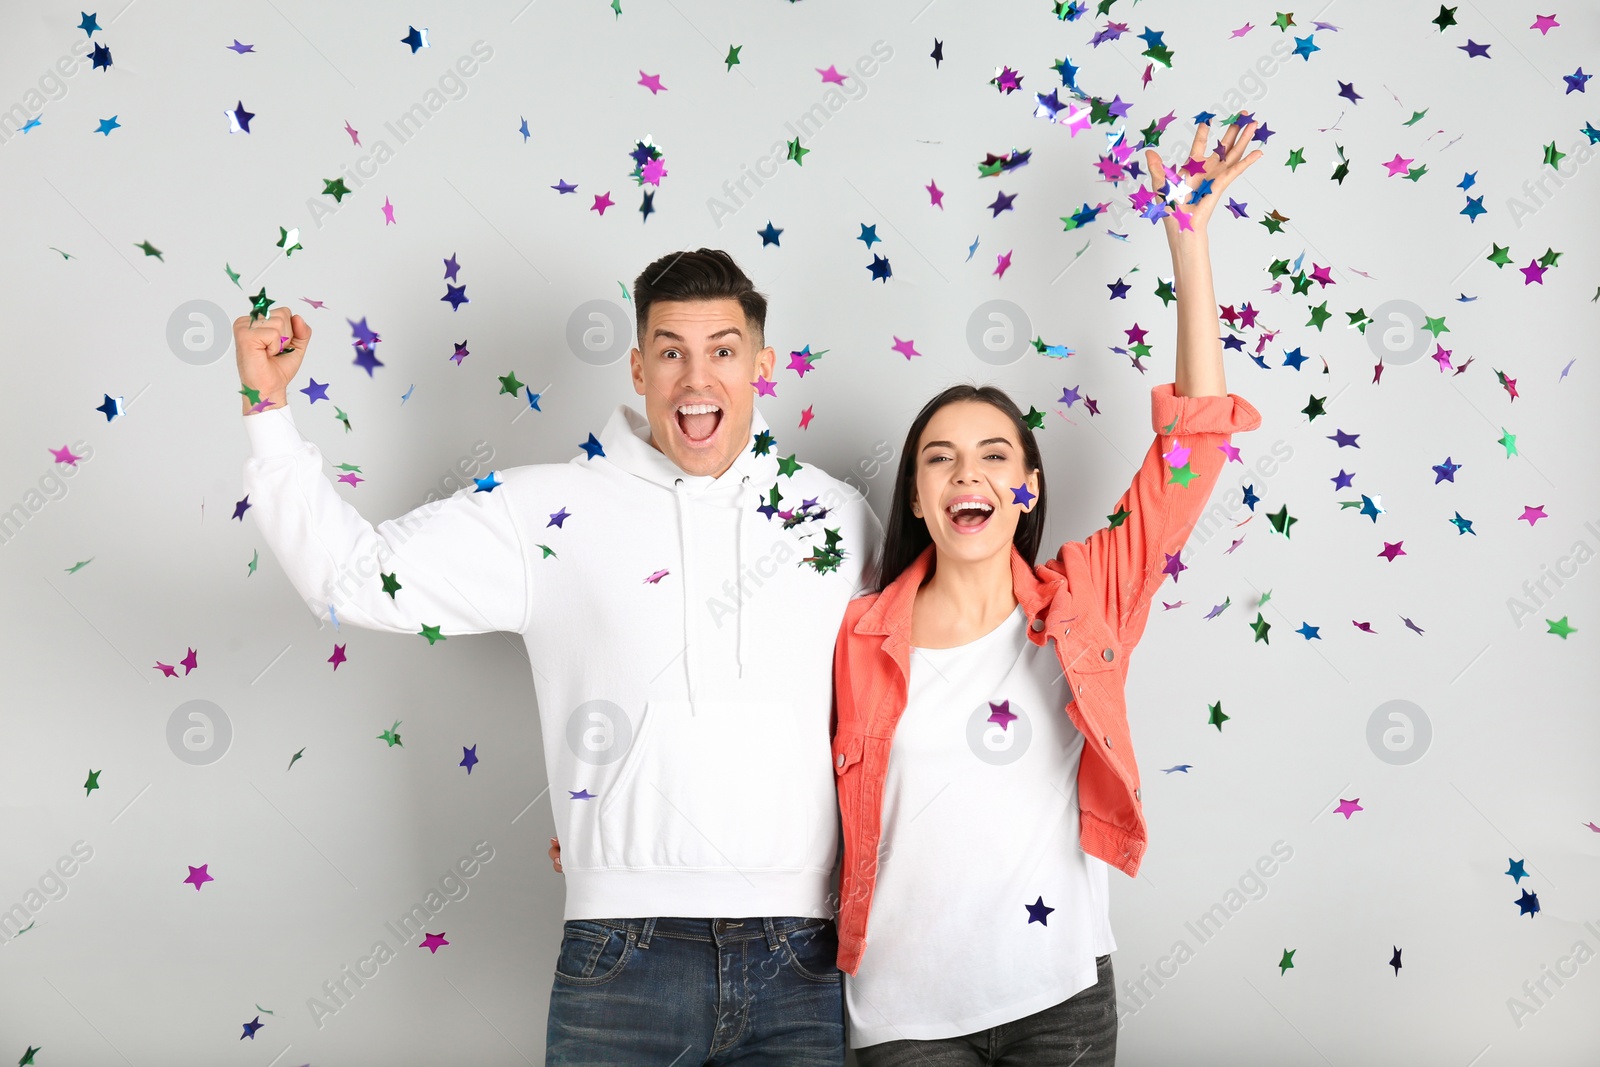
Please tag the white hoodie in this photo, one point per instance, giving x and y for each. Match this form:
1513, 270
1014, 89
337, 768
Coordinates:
681, 643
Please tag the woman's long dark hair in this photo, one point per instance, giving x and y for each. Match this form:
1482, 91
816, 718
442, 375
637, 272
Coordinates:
905, 535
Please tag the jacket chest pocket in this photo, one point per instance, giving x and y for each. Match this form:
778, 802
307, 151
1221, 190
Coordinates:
1090, 650
846, 752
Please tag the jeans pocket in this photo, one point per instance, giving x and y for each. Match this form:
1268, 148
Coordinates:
593, 952
813, 951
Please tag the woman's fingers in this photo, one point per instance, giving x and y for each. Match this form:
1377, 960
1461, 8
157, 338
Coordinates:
1236, 150
1230, 135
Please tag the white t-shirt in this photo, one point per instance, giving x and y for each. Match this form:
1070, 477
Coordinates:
980, 825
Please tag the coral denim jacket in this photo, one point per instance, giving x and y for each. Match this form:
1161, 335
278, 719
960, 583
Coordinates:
1092, 600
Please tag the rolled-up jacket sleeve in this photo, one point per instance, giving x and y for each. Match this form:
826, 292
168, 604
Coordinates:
1127, 560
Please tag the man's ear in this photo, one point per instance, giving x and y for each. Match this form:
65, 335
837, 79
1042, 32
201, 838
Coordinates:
636, 370
766, 362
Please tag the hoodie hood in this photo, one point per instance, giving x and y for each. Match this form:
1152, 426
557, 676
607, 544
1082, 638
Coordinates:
625, 441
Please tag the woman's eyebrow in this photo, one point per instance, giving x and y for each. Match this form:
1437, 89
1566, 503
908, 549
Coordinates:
981, 444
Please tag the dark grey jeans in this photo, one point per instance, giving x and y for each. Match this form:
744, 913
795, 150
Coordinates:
1081, 1031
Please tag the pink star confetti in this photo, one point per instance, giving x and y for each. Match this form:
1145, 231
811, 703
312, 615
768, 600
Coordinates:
906, 348
1398, 166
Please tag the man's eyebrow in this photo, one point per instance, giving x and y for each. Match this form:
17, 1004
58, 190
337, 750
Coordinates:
981, 444
669, 335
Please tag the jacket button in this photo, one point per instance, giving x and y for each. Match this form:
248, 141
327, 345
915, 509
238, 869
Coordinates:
1108, 655
1136, 794
841, 759
1037, 624
1108, 740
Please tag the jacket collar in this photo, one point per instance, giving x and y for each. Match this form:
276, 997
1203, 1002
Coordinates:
890, 614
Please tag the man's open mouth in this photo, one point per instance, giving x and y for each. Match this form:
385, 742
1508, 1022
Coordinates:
698, 422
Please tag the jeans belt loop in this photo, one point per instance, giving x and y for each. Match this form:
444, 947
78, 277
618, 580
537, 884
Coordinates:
772, 933
644, 937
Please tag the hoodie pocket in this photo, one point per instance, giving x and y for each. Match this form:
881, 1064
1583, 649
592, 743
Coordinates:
713, 784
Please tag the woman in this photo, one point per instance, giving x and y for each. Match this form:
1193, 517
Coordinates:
981, 748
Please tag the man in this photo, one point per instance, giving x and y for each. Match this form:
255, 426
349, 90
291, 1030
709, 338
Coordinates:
678, 586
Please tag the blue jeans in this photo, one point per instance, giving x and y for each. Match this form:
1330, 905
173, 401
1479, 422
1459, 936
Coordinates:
1081, 1031
697, 992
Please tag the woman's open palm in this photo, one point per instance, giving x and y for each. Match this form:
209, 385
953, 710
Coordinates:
1219, 169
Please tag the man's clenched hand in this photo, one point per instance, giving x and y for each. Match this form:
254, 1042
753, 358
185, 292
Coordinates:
269, 352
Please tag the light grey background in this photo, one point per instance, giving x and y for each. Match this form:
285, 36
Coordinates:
130, 965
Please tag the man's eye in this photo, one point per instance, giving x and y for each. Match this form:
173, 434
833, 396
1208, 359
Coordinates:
725, 351
669, 353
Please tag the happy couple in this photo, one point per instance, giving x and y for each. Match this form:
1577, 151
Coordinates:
718, 702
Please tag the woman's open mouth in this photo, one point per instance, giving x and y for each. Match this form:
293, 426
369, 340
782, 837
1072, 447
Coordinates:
969, 514
698, 422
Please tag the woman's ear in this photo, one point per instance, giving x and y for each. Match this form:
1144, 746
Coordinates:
916, 508
1033, 487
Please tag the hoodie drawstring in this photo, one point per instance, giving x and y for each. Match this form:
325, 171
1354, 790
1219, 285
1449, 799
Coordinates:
683, 546
738, 575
